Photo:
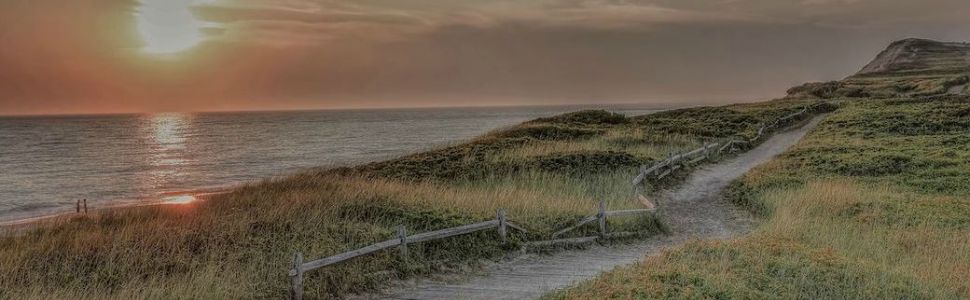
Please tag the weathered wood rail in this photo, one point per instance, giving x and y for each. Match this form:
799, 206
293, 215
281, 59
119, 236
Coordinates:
600, 218
501, 224
665, 167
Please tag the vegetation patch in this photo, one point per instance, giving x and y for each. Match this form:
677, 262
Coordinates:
706, 122
578, 163
828, 90
550, 133
750, 269
585, 118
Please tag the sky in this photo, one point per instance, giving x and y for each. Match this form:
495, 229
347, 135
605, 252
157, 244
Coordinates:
113, 56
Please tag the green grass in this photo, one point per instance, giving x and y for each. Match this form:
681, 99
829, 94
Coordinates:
872, 204
882, 87
546, 173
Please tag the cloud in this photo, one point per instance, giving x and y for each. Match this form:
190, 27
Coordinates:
299, 22
606, 14
229, 14
386, 19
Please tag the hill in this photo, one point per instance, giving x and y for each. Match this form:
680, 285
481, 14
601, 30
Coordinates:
873, 204
907, 68
919, 56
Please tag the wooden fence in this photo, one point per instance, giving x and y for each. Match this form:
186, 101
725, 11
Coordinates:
667, 166
600, 218
402, 240
501, 224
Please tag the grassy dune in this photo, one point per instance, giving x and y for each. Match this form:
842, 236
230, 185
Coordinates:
873, 204
547, 173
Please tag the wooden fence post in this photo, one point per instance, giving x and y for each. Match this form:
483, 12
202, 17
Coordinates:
602, 218
296, 280
78, 206
85, 206
639, 186
402, 233
502, 232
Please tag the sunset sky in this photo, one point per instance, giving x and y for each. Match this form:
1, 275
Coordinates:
107, 56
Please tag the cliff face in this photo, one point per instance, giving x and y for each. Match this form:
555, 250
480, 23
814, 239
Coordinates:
907, 68
920, 56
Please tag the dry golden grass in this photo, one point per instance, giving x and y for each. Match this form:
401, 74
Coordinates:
826, 213
634, 141
807, 250
242, 242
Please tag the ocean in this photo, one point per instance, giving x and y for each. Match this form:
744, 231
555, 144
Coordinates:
47, 163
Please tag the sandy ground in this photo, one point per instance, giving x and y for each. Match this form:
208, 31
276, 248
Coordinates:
694, 210
20, 226
957, 90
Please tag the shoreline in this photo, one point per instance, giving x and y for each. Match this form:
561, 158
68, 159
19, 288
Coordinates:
168, 198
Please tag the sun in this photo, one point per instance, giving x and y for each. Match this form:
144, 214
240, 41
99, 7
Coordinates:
168, 26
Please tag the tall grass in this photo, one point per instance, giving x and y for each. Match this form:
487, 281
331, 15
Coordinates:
546, 173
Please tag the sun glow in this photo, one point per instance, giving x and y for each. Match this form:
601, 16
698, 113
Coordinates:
180, 199
168, 26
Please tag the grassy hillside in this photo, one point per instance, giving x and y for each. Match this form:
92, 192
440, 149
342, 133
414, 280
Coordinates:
547, 173
873, 204
908, 68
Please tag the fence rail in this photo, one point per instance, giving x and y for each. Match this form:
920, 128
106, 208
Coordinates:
501, 224
600, 217
674, 162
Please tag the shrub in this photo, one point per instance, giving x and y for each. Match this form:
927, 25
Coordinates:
579, 163
549, 133
586, 117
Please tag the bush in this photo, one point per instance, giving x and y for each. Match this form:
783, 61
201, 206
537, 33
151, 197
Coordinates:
580, 163
586, 117
703, 121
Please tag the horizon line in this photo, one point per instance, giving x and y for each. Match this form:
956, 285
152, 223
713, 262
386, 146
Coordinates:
662, 105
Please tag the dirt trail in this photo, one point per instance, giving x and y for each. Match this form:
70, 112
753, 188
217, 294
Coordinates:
693, 210
957, 90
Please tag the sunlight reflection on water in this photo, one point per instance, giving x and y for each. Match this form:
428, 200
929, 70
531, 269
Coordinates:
180, 199
168, 144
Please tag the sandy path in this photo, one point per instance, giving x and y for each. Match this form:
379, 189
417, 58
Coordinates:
957, 90
693, 210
